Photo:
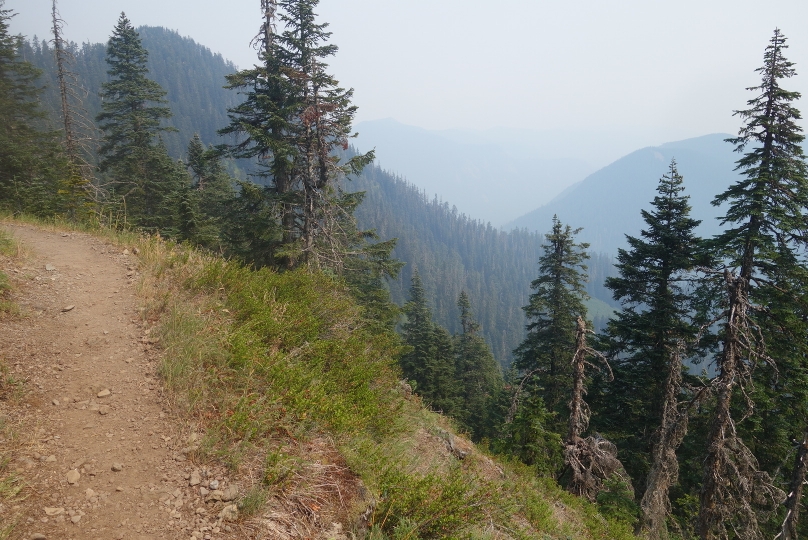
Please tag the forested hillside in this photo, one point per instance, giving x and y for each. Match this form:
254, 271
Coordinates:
455, 252
190, 73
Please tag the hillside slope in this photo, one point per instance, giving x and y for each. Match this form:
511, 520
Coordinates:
265, 383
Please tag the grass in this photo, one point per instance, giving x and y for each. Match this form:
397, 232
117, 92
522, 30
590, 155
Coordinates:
299, 396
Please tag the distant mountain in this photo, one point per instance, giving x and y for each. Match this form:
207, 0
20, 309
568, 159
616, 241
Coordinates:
484, 174
607, 203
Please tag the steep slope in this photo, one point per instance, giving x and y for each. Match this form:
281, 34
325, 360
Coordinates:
296, 403
607, 203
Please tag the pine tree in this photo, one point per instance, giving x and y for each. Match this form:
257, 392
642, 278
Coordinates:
764, 267
645, 336
553, 309
143, 177
30, 159
478, 374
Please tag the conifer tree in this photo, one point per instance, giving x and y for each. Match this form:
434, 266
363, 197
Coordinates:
294, 118
143, 178
763, 249
478, 374
76, 189
645, 337
552, 311
430, 361
30, 160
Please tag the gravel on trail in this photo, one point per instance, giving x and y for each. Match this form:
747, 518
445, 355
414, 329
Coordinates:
106, 457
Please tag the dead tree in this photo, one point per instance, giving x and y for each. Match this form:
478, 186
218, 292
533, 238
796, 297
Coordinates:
788, 530
79, 187
734, 489
593, 459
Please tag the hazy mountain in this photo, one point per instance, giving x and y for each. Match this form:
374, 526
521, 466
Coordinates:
607, 203
483, 174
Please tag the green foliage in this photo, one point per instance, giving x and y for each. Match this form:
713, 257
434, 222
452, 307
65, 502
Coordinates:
658, 315
529, 437
479, 376
144, 180
544, 357
616, 501
30, 157
429, 506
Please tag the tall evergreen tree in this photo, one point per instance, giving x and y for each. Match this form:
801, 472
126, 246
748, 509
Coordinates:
294, 118
645, 337
144, 180
553, 309
764, 253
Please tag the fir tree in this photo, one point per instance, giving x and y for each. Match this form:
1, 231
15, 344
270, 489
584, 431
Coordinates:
143, 176
429, 363
553, 309
646, 335
294, 118
763, 249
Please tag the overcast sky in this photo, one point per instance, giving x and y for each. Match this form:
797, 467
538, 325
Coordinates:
665, 70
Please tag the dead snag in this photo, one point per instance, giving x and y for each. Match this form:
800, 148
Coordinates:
593, 459
788, 530
734, 490
664, 473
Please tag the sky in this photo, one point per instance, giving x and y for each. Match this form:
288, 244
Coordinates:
646, 70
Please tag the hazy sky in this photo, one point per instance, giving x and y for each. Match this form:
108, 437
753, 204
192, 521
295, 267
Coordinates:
665, 70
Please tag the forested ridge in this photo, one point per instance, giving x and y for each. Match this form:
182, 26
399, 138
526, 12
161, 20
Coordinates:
605, 408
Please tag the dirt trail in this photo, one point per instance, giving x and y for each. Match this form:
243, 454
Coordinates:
106, 459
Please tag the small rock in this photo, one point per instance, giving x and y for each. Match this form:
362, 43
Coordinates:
103, 409
73, 476
68, 308
119, 488
54, 511
214, 484
75, 519
215, 495
117, 467
50, 267
179, 457
50, 459
126, 252
229, 513
135, 250
89, 494
103, 393
55, 402
230, 493
195, 479
204, 492
201, 511
38, 536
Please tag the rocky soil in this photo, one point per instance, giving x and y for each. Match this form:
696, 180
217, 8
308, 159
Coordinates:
101, 454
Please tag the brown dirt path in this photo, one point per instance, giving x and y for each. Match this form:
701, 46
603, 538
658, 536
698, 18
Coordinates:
105, 458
